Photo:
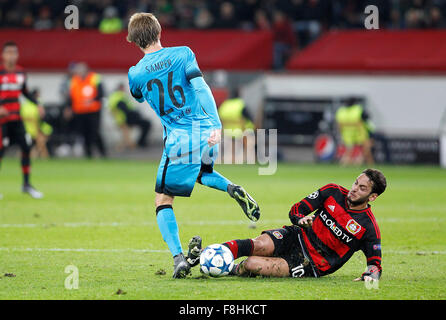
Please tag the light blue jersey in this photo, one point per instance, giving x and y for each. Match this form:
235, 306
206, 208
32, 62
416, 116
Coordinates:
163, 79
172, 83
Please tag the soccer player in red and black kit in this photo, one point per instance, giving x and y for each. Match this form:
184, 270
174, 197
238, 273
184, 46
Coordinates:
316, 244
12, 130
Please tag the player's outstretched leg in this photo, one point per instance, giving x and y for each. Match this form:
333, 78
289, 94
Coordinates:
217, 181
248, 204
214, 180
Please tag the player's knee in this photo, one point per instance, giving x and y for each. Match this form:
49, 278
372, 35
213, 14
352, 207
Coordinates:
263, 245
252, 265
163, 199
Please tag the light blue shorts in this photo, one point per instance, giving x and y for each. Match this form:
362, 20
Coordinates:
181, 164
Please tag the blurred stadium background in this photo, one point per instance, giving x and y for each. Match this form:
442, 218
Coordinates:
294, 62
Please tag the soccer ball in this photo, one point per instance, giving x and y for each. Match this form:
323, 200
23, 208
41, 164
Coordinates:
216, 260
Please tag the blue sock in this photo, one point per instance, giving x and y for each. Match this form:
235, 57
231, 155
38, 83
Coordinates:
215, 180
169, 228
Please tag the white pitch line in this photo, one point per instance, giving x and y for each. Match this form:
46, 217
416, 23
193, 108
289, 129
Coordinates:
83, 250
197, 223
126, 224
385, 252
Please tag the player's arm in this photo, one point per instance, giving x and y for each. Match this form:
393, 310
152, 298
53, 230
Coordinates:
204, 93
209, 107
28, 94
135, 91
99, 88
372, 251
299, 213
32, 98
206, 99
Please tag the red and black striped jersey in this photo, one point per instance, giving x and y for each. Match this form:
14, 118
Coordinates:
337, 231
12, 84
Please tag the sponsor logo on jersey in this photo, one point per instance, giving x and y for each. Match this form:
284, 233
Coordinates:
331, 207
353, 227
331, 224
277, 234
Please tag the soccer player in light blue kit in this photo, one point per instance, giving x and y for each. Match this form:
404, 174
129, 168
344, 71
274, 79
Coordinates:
170, 80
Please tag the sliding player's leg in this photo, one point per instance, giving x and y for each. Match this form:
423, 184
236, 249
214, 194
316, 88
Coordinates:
261, 261
275, 253
264, 266
260, 246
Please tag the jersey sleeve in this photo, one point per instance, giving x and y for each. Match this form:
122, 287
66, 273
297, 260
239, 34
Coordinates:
191, 68
202, 90
371, 247
312, 202
135, 91
26, 92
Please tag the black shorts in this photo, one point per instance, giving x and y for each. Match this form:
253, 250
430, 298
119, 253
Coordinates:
288, 247
13, 132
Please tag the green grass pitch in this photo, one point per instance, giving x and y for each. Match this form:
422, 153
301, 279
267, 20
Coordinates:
99, 216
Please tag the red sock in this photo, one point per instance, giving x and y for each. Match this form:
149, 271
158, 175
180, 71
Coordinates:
240, 248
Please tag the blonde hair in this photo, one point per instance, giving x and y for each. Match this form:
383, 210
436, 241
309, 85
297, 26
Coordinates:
143, 29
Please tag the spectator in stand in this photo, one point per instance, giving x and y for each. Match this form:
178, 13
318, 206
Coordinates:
227, 18
246, 10
90, 21
309, 16
261, 20
111, 23
44, 21
284, 40
351, 15
164, 12
436, 19
184, 14
204, 18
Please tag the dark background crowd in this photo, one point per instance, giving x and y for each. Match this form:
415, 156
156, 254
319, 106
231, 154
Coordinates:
306, 18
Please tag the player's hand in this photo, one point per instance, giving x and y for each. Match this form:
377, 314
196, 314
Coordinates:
366, 278
306, 222
3, 112
214, 138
